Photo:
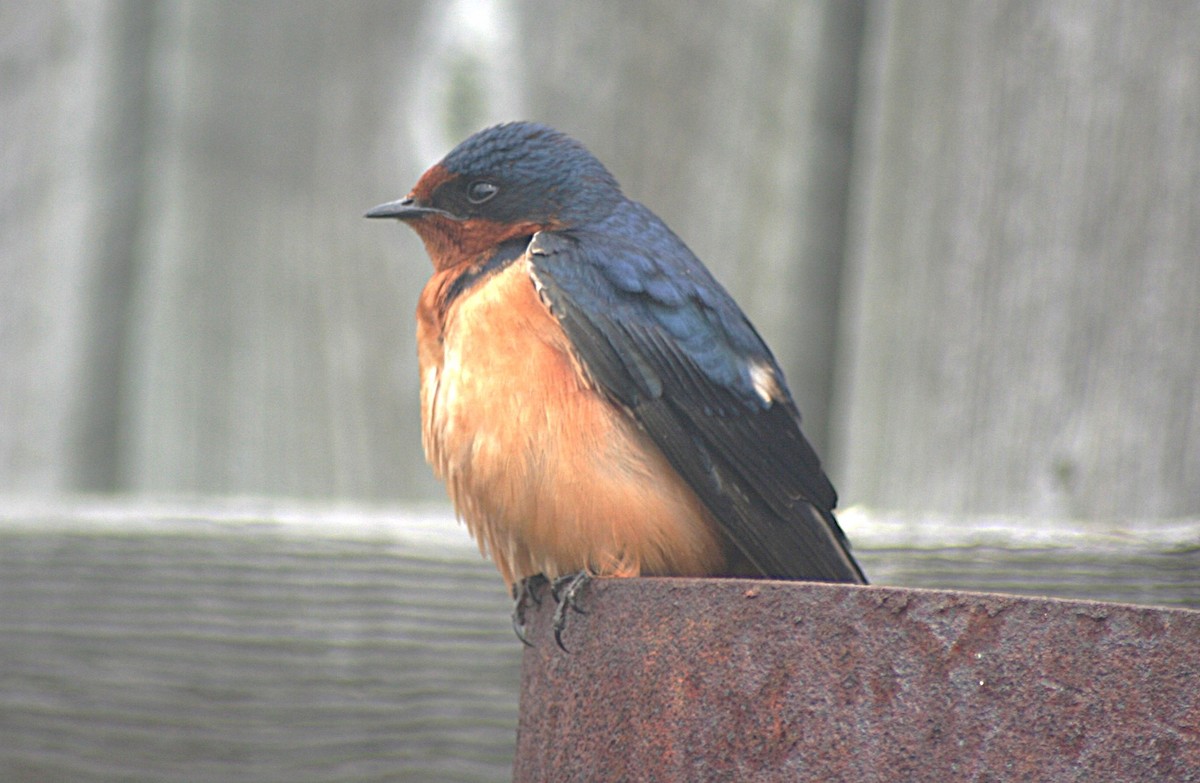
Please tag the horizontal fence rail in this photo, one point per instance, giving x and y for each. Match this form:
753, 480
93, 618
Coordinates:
221, 639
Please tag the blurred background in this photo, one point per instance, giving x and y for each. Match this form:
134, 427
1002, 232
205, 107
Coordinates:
969, 231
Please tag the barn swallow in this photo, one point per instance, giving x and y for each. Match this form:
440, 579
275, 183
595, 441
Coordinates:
594, 400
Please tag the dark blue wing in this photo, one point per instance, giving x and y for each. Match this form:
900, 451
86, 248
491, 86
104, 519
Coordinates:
661, 338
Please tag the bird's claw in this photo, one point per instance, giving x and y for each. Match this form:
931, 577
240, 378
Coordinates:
524, 594
566, 591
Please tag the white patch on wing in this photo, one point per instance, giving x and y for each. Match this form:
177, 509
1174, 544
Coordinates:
765, 382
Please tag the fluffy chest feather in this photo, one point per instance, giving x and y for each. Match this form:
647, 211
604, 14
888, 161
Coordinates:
549, 477
496, 375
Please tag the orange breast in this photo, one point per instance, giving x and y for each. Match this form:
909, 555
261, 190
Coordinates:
548, 476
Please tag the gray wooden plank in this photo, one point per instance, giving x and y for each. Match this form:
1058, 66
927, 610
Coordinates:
272, 341
193, 302
1022, 332
57, 63
231, 639
250, 653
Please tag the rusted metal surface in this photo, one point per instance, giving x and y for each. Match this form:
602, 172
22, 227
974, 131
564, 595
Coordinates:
691, 680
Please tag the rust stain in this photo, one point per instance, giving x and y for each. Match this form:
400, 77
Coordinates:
685, 679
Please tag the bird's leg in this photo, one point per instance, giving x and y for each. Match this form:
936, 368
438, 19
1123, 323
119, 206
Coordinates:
566, 591
524, 594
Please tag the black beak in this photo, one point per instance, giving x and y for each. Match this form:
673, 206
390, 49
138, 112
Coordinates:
404, 209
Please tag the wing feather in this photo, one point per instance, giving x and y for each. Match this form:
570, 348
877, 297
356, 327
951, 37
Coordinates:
661, 338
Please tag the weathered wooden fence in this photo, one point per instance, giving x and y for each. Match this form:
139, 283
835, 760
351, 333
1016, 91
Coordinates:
969, 231
268, 641
242, 641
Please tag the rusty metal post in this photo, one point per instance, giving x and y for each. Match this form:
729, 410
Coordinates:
733, 680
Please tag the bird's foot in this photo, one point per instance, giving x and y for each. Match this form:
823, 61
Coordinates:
525, 594
566, 591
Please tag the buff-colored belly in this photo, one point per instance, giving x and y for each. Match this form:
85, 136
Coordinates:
549, 477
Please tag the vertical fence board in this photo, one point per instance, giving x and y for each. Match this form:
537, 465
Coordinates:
736, 132
1022, 331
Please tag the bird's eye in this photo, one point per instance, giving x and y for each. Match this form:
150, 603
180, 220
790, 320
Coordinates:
481, 190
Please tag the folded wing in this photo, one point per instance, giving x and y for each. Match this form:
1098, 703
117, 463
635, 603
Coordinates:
661, 338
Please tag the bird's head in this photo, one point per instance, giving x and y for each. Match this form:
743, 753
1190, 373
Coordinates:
504, 182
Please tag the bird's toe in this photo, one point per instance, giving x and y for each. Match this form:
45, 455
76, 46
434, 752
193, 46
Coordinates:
525, 594
567, 591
